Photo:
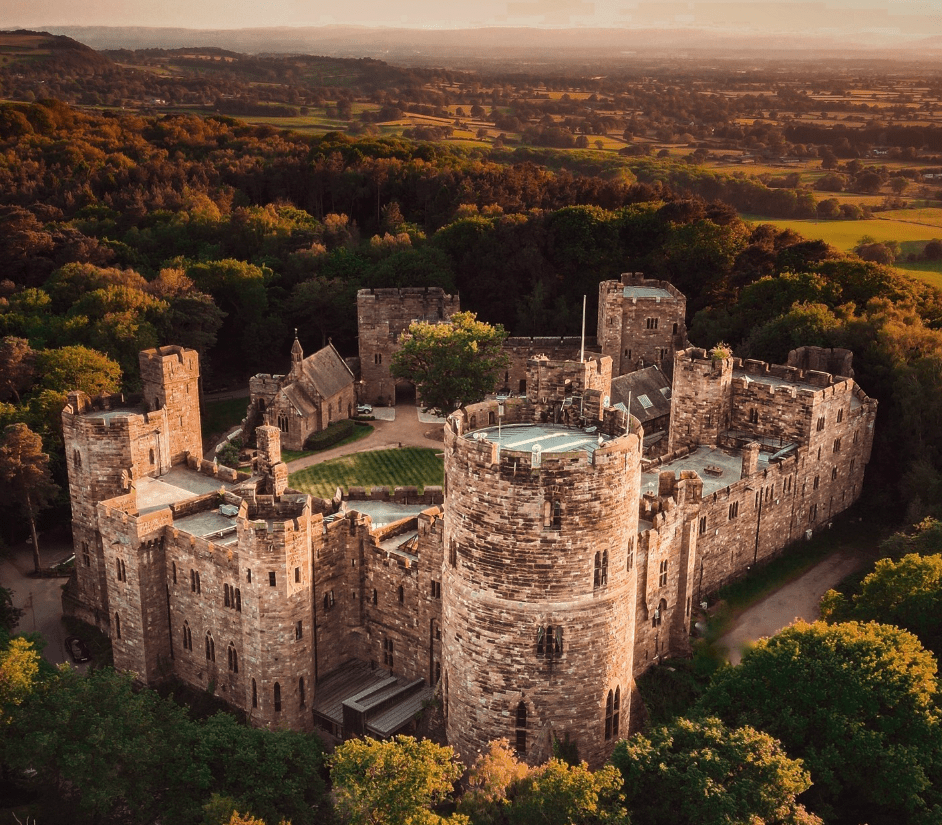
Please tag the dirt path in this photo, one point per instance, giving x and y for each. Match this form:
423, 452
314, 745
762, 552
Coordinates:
405, 431
798, 599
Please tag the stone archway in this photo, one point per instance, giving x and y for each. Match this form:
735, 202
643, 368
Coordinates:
405, 394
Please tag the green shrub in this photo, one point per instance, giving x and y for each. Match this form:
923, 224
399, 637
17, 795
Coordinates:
334, 433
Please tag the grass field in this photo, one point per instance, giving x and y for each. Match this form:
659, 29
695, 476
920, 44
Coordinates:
410, 466
911, 235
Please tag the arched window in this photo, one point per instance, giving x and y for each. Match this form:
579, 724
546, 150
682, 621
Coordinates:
283, 422
254, 694
330, 412
658, 616
210, 648
490, 418
117, 626
753, 416
557, 521
402, 594
238, 600
77, 459
277, 697
156, 403
174, 567
225, 590
232, 658
616, 712
187, 639
301, 690
152, 456
520, 729
375, 596
609, 714
86, 556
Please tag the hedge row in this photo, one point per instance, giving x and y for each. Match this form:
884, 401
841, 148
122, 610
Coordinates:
334, 433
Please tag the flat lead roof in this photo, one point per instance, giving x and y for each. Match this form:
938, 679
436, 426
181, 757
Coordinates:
551, 438
718, 468
646, 292
177, 484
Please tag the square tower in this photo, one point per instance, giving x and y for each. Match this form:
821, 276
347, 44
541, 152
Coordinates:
171, 381
641, 322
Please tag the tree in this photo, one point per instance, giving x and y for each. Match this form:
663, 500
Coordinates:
561, 794
699, 772
502, 789
19, 667
906, 593
122, 754
25, 476
486, 801
394, 782
78, 368
855, 702
453, 363
16, 367
9, 615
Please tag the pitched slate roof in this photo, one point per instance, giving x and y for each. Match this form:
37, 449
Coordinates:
650, 392
327, 372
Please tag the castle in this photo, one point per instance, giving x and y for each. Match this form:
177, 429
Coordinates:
555, 566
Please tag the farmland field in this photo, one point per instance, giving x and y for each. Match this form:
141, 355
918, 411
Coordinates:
911, 235
410, 466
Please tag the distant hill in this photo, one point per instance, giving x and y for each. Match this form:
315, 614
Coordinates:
49, 52
529, 48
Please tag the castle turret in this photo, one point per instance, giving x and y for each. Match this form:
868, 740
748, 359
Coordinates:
171, 381
537, 584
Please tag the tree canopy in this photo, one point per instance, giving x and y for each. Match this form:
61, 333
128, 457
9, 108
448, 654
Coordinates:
905, 592
856, 703
394, 782
699, 772
452, 363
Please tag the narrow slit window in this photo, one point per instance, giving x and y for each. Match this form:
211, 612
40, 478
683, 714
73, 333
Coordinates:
520, 730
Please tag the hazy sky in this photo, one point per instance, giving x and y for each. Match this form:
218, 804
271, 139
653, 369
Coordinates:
907, 18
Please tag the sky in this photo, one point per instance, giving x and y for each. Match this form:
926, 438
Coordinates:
842, 18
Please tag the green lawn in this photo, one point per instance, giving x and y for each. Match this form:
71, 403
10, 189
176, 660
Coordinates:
410, 466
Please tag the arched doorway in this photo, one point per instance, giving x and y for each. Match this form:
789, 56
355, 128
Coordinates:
405, 393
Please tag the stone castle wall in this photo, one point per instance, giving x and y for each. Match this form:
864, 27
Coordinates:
521, 350
382, 316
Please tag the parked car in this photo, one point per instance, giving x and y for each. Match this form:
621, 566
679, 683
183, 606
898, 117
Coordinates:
364, 409
78, 650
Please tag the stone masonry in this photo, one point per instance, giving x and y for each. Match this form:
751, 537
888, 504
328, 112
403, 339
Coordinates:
547, 581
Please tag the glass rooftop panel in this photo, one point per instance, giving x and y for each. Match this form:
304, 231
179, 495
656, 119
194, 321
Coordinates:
645, 402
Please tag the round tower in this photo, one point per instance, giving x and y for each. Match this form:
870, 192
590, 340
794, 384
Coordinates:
538, 582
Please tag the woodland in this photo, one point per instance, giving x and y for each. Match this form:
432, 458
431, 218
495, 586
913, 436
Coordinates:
122, 229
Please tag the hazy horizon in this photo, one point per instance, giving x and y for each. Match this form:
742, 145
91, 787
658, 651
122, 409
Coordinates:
867, 21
